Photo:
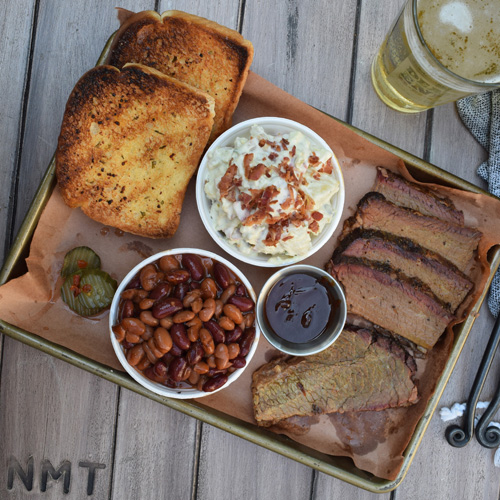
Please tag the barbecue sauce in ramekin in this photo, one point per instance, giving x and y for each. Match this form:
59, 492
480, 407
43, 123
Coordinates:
300, 307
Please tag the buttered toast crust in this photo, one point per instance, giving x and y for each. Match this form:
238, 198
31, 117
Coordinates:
197, 51
130, 142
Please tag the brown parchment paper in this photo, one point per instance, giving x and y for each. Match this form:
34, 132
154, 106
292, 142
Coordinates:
374, 440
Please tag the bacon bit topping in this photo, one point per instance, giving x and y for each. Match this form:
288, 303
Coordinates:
327, 167
314, 226
247, 161
263, 203
226, 182
273, 156
313, 159
82, 264
262, 143
273, 235
76, 280
284, 144
293, 151
256, 172
75, 289
87, 288
317, 215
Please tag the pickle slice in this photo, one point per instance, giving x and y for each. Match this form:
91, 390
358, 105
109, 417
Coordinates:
88, 291
79, 258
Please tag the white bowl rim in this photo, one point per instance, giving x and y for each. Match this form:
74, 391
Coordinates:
203, 203
157, 388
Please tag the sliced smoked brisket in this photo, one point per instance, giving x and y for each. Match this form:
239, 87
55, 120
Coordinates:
360, 371
453, 242
392, 300
404, 193
445, 280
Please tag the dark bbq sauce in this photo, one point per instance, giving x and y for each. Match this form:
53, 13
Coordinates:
300, 307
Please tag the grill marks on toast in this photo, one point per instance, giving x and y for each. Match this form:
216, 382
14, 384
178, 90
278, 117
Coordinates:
402, 269
192, 49
360, 371
130, 141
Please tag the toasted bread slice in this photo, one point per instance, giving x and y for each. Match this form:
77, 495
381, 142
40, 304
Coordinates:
130, 142
192, 49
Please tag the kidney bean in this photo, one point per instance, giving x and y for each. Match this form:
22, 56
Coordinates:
148, 319
176, 351
160, 369
214, 383
183, 316
190, 297
177, 369
246, 341
181, 290
163, 339
239, 362
233, 313
148, 334
170, 383
135, 282
157, 352
127, 345
249, 319
218, 308
168, 263
179, 336
135, 354
217, 332
167, 306
127, 309
194, 285
197, 305
161, 290
233, 335
195, 353
221, 356
177, 276
233, 350
211, 362
241, 290
208, 289
134, 326
222, 275
148, 277
139, 296
194, 265
143, 363
244, 304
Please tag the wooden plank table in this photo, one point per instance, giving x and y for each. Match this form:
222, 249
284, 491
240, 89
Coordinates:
55, 415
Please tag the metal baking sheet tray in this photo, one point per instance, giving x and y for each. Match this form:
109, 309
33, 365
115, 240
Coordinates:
339, 467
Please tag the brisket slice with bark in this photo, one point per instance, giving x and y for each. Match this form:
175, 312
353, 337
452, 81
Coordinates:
392, 300
453, 242
404, 193
360, 371
447, 282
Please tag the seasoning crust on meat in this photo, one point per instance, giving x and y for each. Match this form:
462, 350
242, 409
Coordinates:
130, 142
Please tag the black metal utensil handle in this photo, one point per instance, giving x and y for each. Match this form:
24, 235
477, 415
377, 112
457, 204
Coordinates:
489, 436
458, 436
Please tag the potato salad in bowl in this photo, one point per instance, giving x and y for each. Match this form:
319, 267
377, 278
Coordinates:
270, 193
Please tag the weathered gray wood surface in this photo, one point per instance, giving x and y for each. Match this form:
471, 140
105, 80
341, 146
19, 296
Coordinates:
51, 412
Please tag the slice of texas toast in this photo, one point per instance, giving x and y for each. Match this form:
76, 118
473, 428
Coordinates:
199, 52
130, 142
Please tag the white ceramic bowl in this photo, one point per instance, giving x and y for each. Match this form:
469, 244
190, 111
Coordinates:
178, 393
272, 125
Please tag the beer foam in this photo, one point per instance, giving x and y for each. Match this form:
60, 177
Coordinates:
458, 15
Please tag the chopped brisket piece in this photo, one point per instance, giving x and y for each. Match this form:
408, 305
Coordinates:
453, 242
447, 282
404, 193
360, 371
392, 300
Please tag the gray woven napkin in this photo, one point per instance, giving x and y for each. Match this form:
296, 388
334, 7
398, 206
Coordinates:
481, 115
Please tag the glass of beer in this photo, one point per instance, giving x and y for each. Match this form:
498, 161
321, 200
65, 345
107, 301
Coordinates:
438, 51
